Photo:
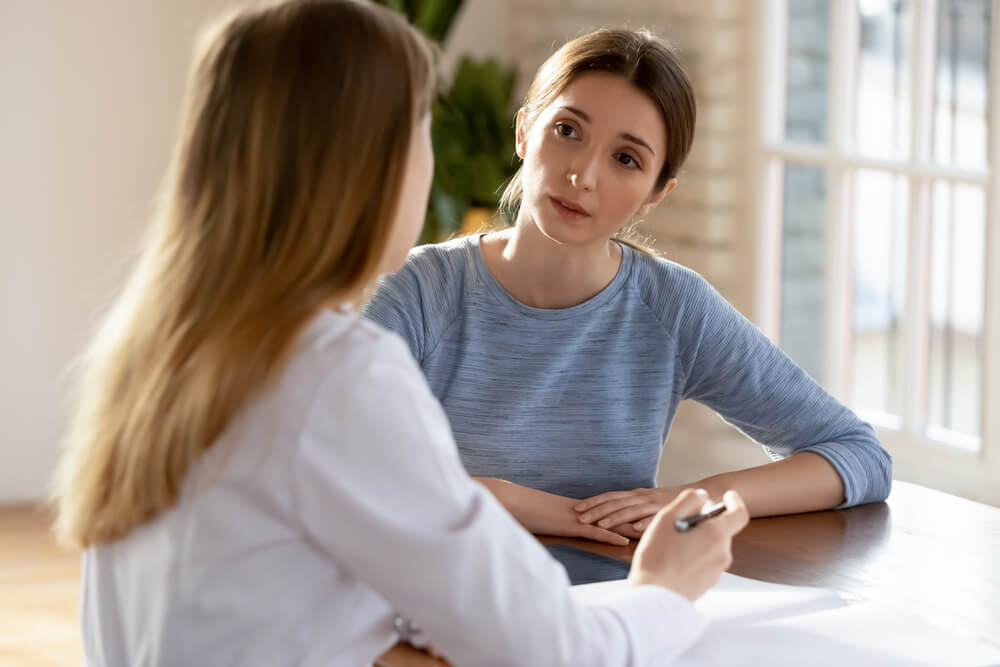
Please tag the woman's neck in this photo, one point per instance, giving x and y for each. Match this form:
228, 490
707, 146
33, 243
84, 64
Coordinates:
542, 273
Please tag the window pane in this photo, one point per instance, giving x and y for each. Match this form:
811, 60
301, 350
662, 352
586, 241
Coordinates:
961, 83
879, 256
803, 263
955, 340
882, 101
808, 74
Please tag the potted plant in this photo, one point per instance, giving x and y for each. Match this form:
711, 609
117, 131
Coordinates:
472, 131
473, 135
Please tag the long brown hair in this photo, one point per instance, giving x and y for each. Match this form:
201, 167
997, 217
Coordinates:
642, 59
280, 197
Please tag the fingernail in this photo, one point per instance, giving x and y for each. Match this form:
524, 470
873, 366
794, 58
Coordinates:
604, 523
584, 518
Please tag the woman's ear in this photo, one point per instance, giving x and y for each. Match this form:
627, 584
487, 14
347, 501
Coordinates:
520, 132
657, 197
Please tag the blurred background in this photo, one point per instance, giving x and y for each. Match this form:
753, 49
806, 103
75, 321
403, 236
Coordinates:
840, 193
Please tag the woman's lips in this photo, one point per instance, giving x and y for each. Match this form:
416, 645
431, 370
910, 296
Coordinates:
567, 210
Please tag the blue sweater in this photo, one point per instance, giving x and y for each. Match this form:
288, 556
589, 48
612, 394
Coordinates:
579, 401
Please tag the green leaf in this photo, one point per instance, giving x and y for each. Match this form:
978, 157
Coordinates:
397, 5
435, 17
473, 133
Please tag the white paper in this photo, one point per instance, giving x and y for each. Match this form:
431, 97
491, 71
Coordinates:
755, 623
866, 633
741, 601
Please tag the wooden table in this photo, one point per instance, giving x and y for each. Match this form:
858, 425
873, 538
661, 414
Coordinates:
936, 555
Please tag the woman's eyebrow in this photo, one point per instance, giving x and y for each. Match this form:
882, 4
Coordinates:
578, 112
624, 135
636, 140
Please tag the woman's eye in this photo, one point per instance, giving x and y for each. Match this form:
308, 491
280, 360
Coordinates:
565, 130
627, 160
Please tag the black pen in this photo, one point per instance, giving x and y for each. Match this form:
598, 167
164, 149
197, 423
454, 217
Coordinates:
689, 522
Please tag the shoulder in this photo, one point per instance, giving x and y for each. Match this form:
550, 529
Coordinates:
449, 259
672, 291
431, 282
348, 349
423, 298
652, 271
341, 369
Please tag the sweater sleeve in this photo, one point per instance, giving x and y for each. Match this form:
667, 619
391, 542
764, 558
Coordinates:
420, 300
380, 489
397, 305
733, 368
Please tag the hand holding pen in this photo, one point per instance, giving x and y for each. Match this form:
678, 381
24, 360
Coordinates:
689, 543
687, 523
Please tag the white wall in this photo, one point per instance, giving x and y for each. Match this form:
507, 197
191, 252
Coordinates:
89, 97
479, 31
90, 94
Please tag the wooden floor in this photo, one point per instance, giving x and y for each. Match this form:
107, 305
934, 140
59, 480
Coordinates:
39, 592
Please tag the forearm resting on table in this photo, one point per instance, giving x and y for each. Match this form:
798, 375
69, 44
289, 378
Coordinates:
804, 482
510, 495
496, 487
516, 499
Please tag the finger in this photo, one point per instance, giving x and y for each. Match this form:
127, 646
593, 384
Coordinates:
627, 530
643, 523
629, 514
607, 536
603, 510
686, 503
587, 503
736, 516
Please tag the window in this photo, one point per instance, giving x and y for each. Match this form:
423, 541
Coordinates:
880, 218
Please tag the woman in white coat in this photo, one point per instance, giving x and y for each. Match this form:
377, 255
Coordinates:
257, 475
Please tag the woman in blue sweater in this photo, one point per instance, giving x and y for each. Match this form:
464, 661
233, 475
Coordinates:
560, 351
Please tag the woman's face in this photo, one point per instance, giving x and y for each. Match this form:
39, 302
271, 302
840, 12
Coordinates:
591, 159
412, 198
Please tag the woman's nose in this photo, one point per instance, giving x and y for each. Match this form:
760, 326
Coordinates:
582, 174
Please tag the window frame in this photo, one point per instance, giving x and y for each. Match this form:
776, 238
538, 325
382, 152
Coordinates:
916, 456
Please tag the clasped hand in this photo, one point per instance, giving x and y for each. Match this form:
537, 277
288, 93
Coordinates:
625, 512
613, 517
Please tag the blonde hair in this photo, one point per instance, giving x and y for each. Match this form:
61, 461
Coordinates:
642, 59
280, 197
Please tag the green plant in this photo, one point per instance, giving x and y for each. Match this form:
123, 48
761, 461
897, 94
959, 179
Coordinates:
472, 127
473, 136
433, 17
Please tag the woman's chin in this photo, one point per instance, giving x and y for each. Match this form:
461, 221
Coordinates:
563, 233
